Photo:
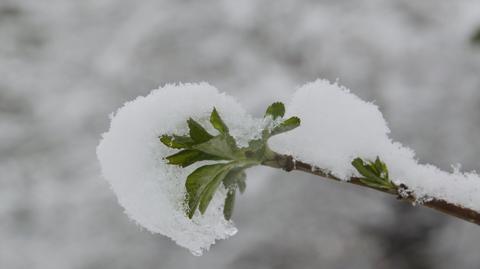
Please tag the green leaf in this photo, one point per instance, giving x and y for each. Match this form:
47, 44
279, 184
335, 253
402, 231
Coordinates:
229, 204
256, 144
218, 146
276, 110
197, 132
187, 157
231, 143
254, 148
242, 184
176, 142
287, 125
233, 177
196, 183
168, 141
200, 145
257, 148
184, 158
211, 188
184, 140
364, 170
381, 168
217, 122
375, 173
374, 184
240, 181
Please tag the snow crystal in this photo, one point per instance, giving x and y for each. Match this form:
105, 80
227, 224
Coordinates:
337, 127
151, 191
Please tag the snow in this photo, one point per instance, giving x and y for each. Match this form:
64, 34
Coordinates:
151, 191
426, 83
337, 126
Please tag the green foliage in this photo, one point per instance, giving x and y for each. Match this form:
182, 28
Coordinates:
202, 184
286, 126
221, 146
217, 122
375, 174
187, 157
197, 132
176, 141
198, 182
275, 110
229, 204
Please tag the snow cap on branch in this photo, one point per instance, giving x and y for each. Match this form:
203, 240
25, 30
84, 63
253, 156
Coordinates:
337, 127
151, 191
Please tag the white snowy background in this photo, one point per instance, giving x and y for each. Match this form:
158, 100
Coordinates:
65, 65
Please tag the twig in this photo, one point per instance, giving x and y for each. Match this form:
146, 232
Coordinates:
288, 163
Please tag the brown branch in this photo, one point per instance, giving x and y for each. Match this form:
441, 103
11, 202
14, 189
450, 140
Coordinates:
288, 164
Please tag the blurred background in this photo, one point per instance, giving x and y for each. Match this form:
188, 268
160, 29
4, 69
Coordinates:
66, 64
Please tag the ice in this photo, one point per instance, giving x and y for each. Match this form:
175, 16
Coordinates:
337, 127
152, 192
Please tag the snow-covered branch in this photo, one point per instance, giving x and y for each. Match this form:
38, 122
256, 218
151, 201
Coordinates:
184, 185
288, 163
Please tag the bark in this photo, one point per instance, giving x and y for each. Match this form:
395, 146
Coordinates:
288, 163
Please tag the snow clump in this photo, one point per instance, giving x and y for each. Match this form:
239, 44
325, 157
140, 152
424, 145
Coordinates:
337, 127
153, 192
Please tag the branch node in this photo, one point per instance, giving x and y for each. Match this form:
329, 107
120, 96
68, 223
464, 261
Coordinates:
289, 163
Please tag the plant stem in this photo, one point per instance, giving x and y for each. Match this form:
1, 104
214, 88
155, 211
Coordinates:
288, 163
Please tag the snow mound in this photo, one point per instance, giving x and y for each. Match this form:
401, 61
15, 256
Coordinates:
337, 127
151, 191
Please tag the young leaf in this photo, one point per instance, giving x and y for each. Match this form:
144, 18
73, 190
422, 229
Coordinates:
218, 146
187, 157
200, 145
287, 125
242, 184
375, 173
197, 132
236, 179
374, 184
217, 122
233, 177
381, 168
211, 188
229, 204
168, 141
276, 110
365, 170
175, 141
197, 182
256, 148
231, 143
